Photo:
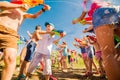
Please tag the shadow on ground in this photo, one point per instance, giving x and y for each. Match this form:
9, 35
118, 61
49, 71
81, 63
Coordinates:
72, 74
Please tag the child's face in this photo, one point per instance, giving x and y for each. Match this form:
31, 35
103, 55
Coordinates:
39, 28
49, 28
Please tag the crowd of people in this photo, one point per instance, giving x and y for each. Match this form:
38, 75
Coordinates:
104, 21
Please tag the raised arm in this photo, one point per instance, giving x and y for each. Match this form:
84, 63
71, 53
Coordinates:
88, 29
29, 34
57, 40
76, 45
80, 18
91, 42
46, 7
44, 32
84, 12
62, 46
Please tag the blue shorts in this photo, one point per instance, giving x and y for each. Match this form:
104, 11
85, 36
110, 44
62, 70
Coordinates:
30, 51
90, 55
64, 54
89, 52
103, 16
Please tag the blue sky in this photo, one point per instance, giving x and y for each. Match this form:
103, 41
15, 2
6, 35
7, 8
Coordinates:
61, 14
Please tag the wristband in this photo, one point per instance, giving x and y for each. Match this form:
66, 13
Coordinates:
43, 10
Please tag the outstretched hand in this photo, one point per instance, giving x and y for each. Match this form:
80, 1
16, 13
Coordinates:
84, 31
56, 42
75, 21
25, 6
46, 7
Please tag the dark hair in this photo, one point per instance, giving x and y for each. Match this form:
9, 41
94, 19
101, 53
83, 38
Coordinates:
47, 23
37, 27
64, 42
87, 35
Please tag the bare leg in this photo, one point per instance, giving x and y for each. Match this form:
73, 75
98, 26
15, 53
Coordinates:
64, 61
86, 63
1, 55
22, 55
10, 63
47, 77
90, 64
1, 58
36, 59
22, 67
58, 64
101, 67
95, 66
61, 63
105, 37
26, 67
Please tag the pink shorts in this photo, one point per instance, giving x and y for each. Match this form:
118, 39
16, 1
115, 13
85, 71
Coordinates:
98, 55
71, 59
84, 55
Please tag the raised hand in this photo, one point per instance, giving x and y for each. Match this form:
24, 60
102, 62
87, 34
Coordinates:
46, 7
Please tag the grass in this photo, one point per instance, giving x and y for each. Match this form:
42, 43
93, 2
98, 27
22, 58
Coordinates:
76, 74
80, 63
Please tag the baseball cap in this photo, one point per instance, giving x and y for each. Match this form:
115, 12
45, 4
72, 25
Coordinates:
47, 23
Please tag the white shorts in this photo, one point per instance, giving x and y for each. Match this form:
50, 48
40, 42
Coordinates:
36, 59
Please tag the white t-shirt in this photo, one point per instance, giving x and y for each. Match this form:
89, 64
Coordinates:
45, 44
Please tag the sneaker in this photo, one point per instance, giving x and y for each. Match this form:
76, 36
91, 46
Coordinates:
21, 77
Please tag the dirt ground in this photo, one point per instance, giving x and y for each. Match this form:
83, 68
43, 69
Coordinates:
72, 74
